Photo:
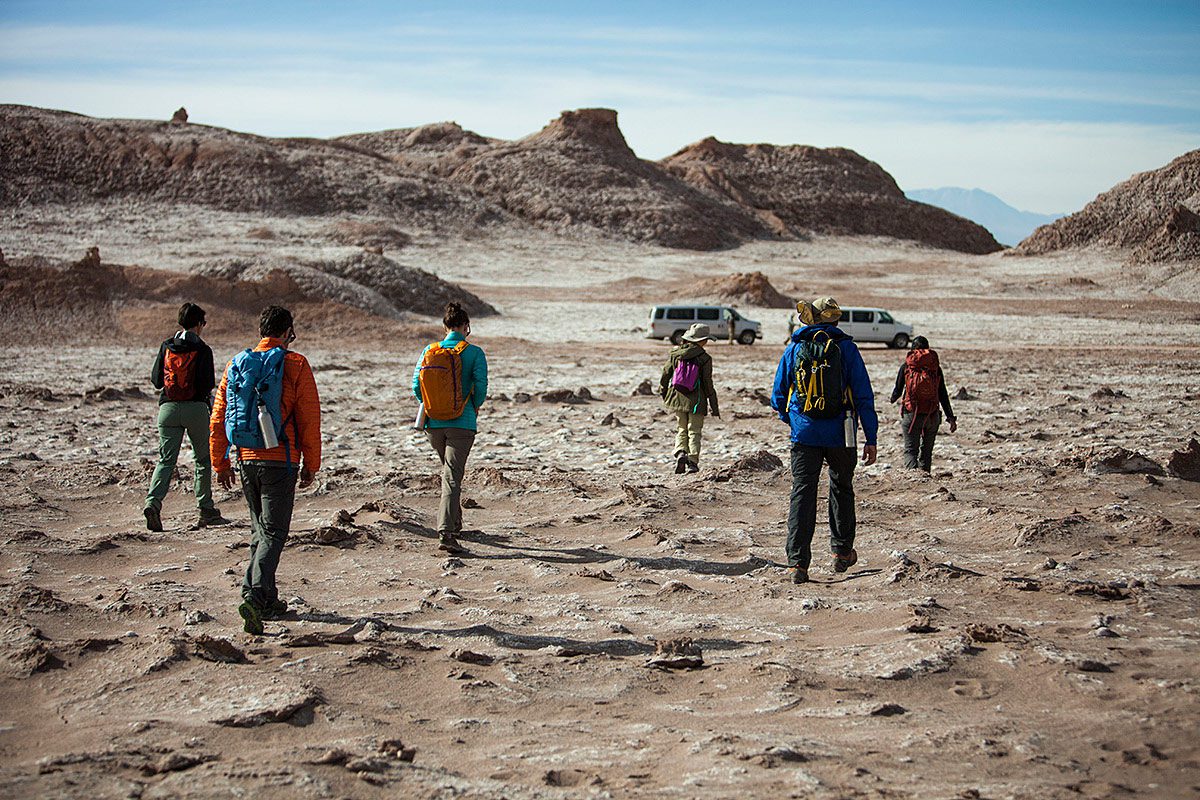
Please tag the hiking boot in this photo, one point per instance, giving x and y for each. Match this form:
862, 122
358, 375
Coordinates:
692, 467
211, 516
447, 542
798, 574
843, 562
681, 463
275, 610
153, 519
251, 617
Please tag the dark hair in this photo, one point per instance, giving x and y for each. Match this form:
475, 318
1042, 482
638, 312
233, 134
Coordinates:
190, 315
455, 316
275, 321
920, 343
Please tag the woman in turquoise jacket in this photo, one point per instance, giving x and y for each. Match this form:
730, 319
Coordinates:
452, 439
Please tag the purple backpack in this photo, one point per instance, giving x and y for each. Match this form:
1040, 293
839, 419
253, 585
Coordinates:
687, 373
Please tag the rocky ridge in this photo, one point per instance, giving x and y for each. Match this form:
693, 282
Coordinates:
797, 190
1152, 216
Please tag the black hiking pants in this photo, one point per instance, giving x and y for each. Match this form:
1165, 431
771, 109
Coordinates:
920, 431
270, 490
802, 514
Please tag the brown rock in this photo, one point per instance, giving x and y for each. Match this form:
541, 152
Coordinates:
750, 288
180, 117
1185, 464
1120, 460
682, 653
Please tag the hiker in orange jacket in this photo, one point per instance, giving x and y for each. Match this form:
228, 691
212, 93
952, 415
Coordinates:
269, 474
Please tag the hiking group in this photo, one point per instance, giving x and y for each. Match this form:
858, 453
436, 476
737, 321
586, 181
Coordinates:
265, 420
823, 393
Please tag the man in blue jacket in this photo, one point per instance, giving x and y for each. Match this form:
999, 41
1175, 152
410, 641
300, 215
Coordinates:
823, 437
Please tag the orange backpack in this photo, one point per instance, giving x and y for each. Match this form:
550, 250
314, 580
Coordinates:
179, 370
440, 381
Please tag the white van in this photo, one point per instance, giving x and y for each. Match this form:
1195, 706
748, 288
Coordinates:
672, 322
875, 325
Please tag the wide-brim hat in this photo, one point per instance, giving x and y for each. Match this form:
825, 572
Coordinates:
698, 333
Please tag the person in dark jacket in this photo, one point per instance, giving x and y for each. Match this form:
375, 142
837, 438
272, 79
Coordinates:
183, 374
820, 440
692, 405
920, 425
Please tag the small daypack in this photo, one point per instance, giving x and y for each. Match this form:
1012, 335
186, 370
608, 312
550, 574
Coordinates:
819, 381
179, 375
921, 382
254, 378
686, 375
440, 380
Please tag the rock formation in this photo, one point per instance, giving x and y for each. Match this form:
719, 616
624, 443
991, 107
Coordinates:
1152, 216
796, 190
180, 117
749, 288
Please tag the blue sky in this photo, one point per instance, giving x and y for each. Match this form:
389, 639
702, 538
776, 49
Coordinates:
1045, 104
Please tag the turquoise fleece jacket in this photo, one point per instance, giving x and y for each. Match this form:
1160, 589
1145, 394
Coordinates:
474, 377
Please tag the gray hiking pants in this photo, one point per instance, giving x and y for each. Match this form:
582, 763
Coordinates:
919, 435
270, 490
452, 445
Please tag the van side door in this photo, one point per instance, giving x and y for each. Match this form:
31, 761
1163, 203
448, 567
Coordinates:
864, 326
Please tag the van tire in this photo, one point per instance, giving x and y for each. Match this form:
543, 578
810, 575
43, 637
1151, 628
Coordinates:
747, 337
900, 342
677, 338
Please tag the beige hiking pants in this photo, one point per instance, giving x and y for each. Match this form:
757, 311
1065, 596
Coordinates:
687, 435
452, 445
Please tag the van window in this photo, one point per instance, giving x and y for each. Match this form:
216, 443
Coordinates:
733, 315
708, 313
885, 318
658, 313
862, 316
680, 313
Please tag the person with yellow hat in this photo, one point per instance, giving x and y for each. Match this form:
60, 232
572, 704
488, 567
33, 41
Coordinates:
822, 391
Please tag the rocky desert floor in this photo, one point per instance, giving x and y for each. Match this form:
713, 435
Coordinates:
1021, 624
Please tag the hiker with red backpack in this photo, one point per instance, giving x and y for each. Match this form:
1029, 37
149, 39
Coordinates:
823, 392
267, 415
686, 387
183, 374
923, 386
451, 381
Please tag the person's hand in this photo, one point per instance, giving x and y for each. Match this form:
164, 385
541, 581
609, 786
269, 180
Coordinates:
306, 477
226, 479
869, 453
953, 425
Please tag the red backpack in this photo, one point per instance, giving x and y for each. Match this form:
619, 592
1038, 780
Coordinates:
921, 382
179, 373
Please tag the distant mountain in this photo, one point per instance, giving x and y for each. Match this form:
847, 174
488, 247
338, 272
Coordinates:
1007, 224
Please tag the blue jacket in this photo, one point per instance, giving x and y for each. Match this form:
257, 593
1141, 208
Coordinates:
474, 378
824, 432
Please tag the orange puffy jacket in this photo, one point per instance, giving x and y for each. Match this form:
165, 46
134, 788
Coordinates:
300, 407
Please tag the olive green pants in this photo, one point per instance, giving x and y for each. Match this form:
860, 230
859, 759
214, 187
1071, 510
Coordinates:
687, 436
452, 445
174, 420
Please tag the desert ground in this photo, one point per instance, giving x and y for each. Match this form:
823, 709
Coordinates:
1021, 624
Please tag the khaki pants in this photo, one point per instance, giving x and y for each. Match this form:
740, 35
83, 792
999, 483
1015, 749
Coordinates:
452, 445
687, 435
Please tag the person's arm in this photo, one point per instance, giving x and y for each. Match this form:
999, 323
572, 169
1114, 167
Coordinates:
864, 397
416, 386
944, 399
899, 388
781, 391
710, 391
664, 380
479, 377
156, 372
307, 416
205, 378
218, 443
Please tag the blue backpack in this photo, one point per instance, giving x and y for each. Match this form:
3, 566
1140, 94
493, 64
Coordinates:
255, 378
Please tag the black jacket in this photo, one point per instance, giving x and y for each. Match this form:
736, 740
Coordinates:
205, 379
943, 396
